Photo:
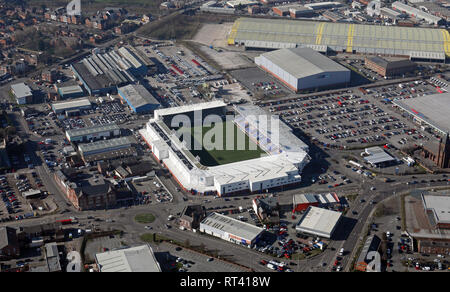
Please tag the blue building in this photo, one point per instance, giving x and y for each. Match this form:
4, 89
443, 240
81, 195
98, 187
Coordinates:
139, 99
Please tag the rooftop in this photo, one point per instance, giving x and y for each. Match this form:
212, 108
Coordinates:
232, 226
304, 199
439, 205
302, 62
378, 39
21, 90
104, 144
319, 221
431, 109
70, 89
68, 105
124, 52
137, 95
389, 65
134, 259
377, 155
188, 108
92, 130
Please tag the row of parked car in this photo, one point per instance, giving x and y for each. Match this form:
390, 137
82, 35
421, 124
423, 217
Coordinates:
9, 198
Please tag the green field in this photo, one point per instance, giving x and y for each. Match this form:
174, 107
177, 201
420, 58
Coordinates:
222, 156
144, 218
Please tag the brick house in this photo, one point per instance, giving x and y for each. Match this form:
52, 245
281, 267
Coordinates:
192, 216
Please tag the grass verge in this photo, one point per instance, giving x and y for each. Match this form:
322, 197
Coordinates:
144, 218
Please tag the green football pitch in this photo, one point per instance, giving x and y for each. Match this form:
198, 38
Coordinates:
243, 148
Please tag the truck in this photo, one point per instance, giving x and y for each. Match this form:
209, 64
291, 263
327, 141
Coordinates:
341, 252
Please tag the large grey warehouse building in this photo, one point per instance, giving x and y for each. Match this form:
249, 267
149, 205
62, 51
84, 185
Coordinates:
303, 68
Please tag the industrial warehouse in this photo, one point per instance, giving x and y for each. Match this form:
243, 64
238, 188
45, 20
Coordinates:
106, 149
102, 73
93, 133
414, 42
281, 163
303, 68
138, 98
231, 229
72, 107
430, 111
318, 221
73, 91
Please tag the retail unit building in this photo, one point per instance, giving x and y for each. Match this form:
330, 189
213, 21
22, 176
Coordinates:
318, 221
231, 229
133, 259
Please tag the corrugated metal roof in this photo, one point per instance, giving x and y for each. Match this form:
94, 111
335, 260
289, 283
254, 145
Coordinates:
76, 103
302, 62
70, 89
273, 33
137, 96
104, 144
92, 130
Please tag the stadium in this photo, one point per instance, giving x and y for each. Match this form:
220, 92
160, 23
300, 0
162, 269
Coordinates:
243, 156
414, 42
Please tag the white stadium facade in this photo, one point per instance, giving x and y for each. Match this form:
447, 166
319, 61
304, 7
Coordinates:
281, 165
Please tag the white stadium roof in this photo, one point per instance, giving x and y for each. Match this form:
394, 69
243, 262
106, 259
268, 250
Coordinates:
318, 221
285, 158
188, 108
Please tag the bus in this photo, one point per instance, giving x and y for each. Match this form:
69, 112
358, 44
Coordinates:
69, 221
